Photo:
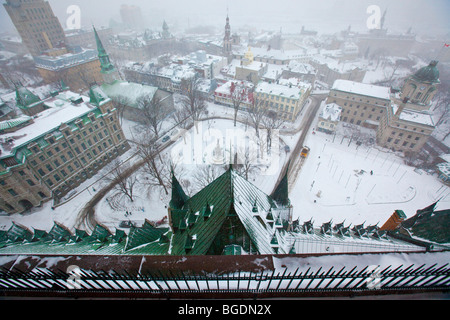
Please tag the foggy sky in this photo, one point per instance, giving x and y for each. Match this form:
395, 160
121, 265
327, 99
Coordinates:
324, 16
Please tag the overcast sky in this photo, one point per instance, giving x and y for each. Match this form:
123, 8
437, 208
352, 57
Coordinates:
424, 16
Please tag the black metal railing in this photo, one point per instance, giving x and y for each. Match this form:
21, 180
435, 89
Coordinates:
370, 279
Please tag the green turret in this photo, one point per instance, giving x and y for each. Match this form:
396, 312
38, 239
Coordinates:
107, 69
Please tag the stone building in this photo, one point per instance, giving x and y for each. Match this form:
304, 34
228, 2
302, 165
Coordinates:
329, 118
78, 69
62, 146
286, 101
37, 25
408, 123
403, 120
362, 104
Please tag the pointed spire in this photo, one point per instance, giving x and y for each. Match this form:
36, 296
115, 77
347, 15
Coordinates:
106, 66
179, 197
281, 193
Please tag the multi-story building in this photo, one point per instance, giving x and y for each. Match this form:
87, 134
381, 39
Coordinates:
78, 69
362, 104
329, 69
329, 118
403, 120
44, 37
286, 101
37, 25
408, 123
48, 155
224, 94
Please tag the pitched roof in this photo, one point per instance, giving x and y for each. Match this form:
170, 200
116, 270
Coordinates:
230, 198
281, 193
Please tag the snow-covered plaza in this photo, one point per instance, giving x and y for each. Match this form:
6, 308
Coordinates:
341, 179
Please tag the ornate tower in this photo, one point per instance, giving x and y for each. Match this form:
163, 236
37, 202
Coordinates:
108, 71
421, 87
227, 40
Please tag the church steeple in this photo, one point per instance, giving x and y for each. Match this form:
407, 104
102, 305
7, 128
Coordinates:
227, 41
179, 198
107, 69
281, 193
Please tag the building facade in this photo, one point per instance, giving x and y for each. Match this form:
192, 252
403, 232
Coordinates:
362, 104
286, 101
37, 25
62, 147
329, 118
78, 69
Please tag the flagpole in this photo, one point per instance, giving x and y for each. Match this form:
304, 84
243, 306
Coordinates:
446, 45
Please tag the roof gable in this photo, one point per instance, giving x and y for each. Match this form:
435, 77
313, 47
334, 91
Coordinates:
229, 200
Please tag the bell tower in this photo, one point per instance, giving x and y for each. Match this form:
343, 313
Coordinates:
227, 40
108, 71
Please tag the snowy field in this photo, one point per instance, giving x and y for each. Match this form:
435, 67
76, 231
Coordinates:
335, 182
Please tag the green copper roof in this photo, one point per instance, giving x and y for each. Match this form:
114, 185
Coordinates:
179, 197
231, 218
145, 240
97, 96
281, 193
25, 98
428, 74
105, 63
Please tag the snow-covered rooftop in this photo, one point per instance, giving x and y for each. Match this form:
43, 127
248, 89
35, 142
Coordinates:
279, 90
363, 89
331, 112
129, 90
61, 110
414, 116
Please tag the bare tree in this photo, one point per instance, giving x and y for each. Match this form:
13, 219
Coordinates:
245, 161
124, 181
121, 102
206, 174
271, 122
238, 95
153, 164
152, 112
192, 100
256, 113
180, 118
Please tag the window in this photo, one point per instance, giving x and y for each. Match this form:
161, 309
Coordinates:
12, 192
49, 182
57, 178
30, 182
42, 195
41, 172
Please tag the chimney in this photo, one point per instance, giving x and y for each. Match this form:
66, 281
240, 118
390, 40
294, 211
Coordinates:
401, 107
394, 221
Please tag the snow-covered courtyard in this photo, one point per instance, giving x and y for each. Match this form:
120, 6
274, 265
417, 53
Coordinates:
338, 181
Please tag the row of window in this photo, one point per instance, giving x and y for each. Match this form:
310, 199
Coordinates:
404, 143
376, 102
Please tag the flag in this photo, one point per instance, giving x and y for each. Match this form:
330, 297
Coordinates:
446, 45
